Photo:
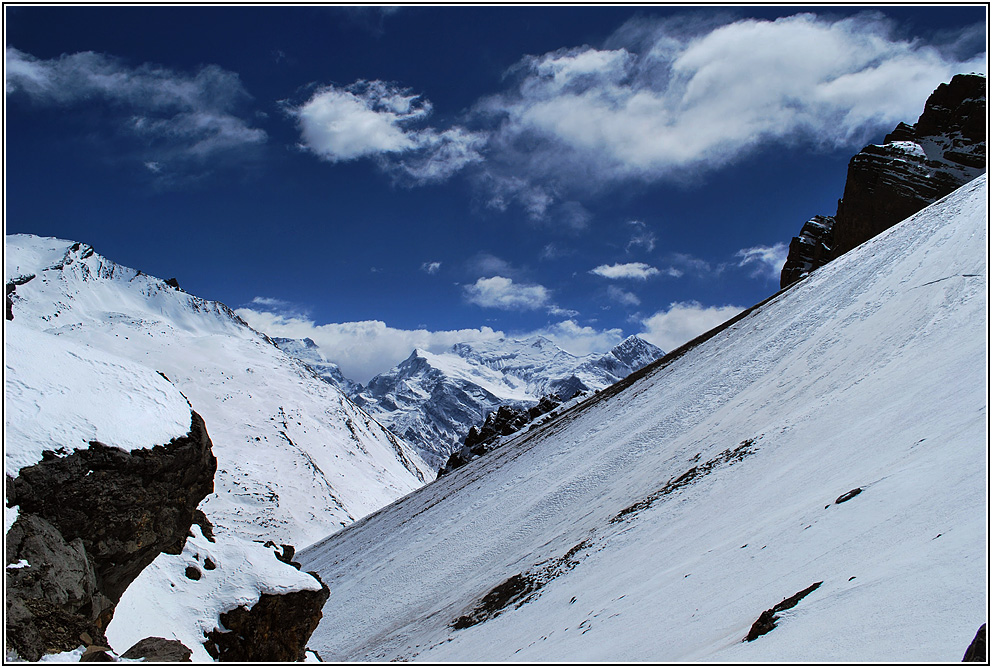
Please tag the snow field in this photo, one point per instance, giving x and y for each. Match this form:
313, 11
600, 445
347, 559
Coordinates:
870, 373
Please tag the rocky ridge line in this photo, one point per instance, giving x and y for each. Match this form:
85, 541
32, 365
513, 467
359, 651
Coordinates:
886, 183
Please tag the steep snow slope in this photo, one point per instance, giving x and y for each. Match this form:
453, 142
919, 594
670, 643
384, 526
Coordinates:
59, 395
433, 399
307, 351
296, 458
657, 522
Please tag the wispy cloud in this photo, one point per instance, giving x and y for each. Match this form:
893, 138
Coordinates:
659, 100
682, 322
641, 237
431, 267
622, 296
502, 293
182, 120
764, 261
634, 270
280, 306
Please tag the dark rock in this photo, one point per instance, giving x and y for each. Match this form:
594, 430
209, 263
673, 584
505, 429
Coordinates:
208, 564
847, 496
276, 629
9, 291
127, 507
173, 283
88, 523
193, 573
977, 651
810, 249
96, 654
206, 528
914, 167
159, 650
766, 620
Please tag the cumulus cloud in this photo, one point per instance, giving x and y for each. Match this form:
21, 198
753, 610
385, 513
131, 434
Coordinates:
181, 117
764, 261
579, 339
362, 349
501, 292
376, 119
674, 100
635, 270
684, 321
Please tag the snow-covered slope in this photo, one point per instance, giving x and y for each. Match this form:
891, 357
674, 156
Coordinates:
657, 521
433, 399
296, 458
307, 350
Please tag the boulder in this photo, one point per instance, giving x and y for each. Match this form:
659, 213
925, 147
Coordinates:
275, 629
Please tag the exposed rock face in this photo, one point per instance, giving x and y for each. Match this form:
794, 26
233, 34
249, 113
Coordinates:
914, 167
811, 249
87, 524
977, 651
275, 629
504, 421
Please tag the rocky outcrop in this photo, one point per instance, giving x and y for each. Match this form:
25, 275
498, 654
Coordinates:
914, 167
504, 421
87, 524
275, 629
977, 651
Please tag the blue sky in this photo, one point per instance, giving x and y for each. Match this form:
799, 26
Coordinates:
383, 178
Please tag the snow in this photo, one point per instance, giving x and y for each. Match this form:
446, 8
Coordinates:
60, 396
296, 458
243, 572
433, 399
869, 373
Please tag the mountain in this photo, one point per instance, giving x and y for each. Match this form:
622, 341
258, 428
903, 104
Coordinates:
818, 463
432, 399
915, 166
307, 350
295, 458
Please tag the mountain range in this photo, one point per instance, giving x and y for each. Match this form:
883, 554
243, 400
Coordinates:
431, 400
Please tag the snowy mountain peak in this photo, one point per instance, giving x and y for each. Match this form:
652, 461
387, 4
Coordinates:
433, 399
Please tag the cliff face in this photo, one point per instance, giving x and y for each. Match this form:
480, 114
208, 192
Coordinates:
914, 167
87, 524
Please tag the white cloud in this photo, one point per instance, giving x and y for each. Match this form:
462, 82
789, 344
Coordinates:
765, 261
622, 296
375, 119
501, 292
636, 270
363, 119
671, 99
431, 267
579, 340
684, 321
362, 349
183, 116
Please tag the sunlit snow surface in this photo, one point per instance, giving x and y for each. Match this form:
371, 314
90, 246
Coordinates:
97, 350
870, 373
59, 396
